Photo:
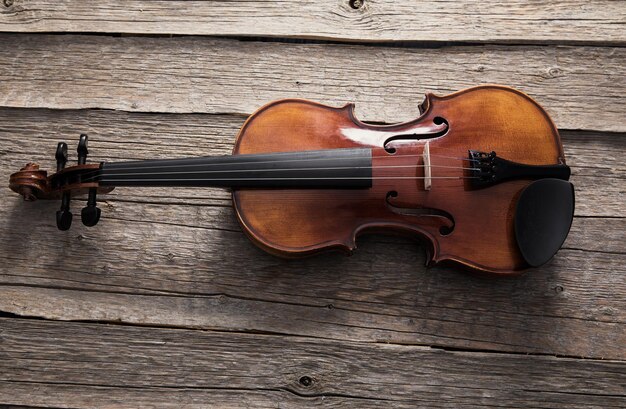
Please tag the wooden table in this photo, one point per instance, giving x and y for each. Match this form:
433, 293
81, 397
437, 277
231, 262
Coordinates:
165, 303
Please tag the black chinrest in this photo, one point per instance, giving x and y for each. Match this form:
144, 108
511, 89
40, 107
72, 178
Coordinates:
543, 217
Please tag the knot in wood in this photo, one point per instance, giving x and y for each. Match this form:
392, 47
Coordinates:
555, 72
305, 381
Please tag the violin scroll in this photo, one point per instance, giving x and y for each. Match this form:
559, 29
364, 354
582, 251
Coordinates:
32, 184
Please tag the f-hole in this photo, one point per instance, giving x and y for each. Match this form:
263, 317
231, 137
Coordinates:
444, 218
440, 129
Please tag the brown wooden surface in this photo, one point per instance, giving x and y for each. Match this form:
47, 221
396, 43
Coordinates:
166, 303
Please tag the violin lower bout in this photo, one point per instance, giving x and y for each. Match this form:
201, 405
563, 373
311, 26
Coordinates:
295, 223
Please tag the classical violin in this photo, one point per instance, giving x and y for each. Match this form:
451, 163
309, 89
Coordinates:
480, 176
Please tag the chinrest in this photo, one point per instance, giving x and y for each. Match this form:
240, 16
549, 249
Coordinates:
543, 217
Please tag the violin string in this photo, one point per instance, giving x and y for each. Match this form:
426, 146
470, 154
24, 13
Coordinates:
288, 178
96, 172
115, 175
278, 170
420, 155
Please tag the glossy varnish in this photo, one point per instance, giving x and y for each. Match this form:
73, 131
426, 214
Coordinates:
470, 226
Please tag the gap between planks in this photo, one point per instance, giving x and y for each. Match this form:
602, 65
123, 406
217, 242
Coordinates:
443, 347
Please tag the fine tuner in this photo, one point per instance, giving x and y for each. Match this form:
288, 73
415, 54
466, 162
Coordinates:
480, 176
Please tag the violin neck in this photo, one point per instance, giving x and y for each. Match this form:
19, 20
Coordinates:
332, 168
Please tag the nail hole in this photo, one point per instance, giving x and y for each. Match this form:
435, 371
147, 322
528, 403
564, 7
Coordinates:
305, 381
356, 4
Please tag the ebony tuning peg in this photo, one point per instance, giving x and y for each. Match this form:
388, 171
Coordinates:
64, 216
61, 155
82, 149
90, 214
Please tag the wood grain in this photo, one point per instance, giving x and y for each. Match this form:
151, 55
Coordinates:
167, 304
147, 361
178, 258
562, 21
579, 86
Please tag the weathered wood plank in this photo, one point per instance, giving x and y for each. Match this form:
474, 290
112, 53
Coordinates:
377, 20
148, 360
257, 301
178, 258
63, 395
579, 86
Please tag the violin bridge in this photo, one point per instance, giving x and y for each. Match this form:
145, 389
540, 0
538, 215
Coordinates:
427, 169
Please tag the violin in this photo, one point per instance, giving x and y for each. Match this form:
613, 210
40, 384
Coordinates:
480, 177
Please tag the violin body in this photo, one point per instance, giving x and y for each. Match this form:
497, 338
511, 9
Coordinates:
479, 177
473, 227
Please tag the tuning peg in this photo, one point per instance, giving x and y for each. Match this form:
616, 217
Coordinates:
82, 149
64, 216
61, 155
91, 213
